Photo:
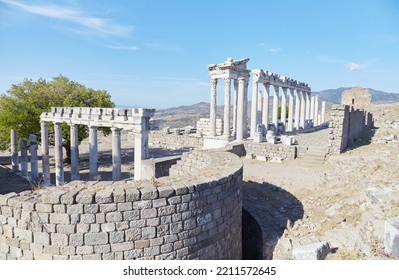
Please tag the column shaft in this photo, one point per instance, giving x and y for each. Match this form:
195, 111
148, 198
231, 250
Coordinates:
34, 167
254, 108
227, 98
235, 98
59, 162
140, 145
212, 114
24, 157
302, 118
290, 110
284, 107
297, 108
260, 108
74, 152
275, 108
316, 111
323, 111
45, 154
240, 109
312, 108
307, 96
116, 154
245, 126
14, 151
265, 112
93, 149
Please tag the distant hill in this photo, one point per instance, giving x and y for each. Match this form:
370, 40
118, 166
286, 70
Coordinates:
334, 95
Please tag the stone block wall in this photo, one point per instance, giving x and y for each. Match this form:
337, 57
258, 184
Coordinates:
160, 139
203, 126
346, 126
190, 163
181, 217
271, 150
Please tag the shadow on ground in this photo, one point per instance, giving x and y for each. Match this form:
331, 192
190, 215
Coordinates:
269, 209
11, 182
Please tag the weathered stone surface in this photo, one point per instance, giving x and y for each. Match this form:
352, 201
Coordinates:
315, 251
391, 240
98, 238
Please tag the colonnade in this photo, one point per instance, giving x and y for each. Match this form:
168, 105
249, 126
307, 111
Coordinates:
116, 119
237, 72
303, 108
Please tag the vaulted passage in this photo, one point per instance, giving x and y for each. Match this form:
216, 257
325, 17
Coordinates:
251, 237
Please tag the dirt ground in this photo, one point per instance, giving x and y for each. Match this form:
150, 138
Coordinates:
345, 201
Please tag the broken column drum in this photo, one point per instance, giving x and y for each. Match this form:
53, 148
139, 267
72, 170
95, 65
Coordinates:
136, 119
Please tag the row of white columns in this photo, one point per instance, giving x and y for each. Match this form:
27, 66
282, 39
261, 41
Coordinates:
301, 107
140, 153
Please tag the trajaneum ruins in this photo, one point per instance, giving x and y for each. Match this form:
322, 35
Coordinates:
185, 206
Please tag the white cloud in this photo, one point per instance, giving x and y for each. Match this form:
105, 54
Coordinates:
352, 66
275, 50
122, 47
262, 44
98, 25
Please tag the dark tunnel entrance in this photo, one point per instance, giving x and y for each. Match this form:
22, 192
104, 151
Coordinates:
251, 237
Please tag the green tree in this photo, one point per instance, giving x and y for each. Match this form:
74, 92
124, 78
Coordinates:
21, 106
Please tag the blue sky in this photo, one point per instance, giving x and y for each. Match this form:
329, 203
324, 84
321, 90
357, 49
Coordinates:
155, 53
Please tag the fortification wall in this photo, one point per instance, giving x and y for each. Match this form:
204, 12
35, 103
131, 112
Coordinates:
160, 139
180, 217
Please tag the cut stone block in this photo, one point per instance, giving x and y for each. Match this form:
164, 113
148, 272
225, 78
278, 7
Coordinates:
391, 240
276, 160
315, 251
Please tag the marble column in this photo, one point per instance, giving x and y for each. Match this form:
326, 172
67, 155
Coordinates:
59, 162
265, 112
34, 167
297, 108
302, 118
316, 111
283, 116
240, 109
74, 152
14, 151
227, 98
116, 154
307, 97
45, 154
312, 108
245, 133
93, 150
235, 98
260, 108
275, 108
254, 107
24, 157
323, 111
290, 110
212, 115
140, 145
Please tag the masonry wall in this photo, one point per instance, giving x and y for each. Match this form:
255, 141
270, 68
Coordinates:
346, 126
271, 150
160, 139
181, 217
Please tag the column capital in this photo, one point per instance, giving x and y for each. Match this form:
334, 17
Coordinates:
116, 129
214, 82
